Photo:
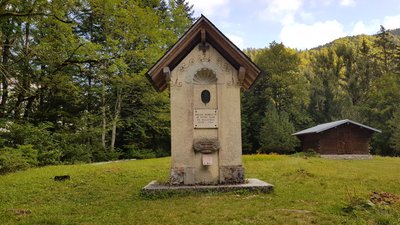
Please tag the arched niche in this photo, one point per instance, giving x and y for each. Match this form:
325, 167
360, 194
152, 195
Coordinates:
205, 76
211, 74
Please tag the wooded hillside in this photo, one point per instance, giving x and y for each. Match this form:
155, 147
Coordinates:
355, 78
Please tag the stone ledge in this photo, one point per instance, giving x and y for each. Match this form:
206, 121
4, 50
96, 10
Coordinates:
348, 156
251, 185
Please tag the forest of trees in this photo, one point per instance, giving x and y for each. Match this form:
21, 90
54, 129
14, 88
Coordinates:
73, 87
355, 78
72, 79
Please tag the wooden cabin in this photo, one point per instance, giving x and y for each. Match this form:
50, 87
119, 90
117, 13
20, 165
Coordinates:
343, 137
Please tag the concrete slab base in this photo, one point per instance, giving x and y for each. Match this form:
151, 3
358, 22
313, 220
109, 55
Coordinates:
347, 156
251, 185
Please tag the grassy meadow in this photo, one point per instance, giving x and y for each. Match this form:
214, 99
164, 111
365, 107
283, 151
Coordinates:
307, 191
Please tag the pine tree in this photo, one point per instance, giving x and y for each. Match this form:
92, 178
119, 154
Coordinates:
386, 43
188, 9
181, 16
276, 133
281, 85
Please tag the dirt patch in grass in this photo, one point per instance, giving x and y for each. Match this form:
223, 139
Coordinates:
294, 210
21, 212
384, 198
299, 173
304, 173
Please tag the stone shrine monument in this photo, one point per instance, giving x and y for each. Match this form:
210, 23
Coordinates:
205, 73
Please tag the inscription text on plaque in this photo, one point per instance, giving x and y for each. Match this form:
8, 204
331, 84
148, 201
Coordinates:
205, 118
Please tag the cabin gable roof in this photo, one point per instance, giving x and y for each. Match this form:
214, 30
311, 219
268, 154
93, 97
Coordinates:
326, 126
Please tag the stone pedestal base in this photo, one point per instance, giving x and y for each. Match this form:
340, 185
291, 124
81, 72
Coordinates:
231, 175
227, 175
176, 176
250, 185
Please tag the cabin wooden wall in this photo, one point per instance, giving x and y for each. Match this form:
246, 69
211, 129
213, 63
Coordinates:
310, 141
345, 139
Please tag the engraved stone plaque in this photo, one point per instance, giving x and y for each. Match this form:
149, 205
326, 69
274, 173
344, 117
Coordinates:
205, 118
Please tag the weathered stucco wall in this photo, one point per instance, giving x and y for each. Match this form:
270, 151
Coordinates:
196, 73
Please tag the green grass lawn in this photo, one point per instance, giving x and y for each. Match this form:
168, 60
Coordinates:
307, 191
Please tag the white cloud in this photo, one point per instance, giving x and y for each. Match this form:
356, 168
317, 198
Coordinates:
316, 3
304, 36
288, 19
237, 40
391, 22
281, 11
305, 16
209, 8
372, 27
347, 2
361, 28
228, 25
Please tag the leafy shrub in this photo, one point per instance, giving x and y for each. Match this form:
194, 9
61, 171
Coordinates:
56, 146
276, 150
19, 158
142, 154
162, 152
134, 153
76, 153
311, 153
100, 154
38, 136
84, 146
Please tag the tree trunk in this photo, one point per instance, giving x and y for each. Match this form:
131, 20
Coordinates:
4, 81
42, 89
103, 112
28, 107
89, 90
25, 79
17, 107
117, 109
113, 133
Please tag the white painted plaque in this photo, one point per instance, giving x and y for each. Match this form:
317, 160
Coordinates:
205, 118
207, 160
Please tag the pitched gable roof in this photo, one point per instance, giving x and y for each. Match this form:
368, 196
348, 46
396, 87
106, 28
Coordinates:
326, 126
202, 29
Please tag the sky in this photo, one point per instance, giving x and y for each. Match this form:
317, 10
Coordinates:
300, 24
